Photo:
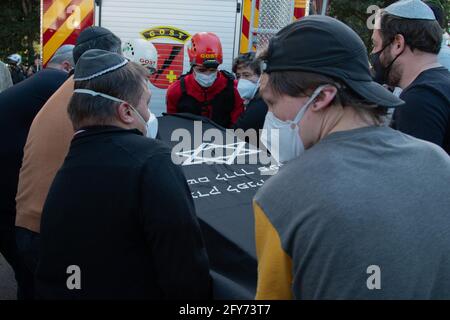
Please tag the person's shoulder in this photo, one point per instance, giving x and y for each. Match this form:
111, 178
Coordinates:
151, 155
429, 89
50, 76
227, 75
258, 103
57, 103
174, 88
142, 148
44, 83
65, 89
302, 183
423, 149
434, 79
412, 149
329, 158
54, 73
297, 174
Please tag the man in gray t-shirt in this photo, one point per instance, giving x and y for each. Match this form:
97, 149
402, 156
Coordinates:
360, 200
359, 211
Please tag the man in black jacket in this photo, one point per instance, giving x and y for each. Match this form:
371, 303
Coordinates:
405, 55
247, 70
119, 221
19, 105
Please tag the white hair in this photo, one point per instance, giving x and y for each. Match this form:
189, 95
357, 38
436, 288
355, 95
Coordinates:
64, 53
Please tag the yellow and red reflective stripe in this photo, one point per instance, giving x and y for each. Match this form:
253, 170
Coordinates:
58, 25
300, 9
299, 12
57, 10
247, 10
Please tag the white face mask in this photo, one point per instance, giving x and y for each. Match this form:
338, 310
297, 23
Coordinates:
282, 138
247, 89
150, 125
205, 80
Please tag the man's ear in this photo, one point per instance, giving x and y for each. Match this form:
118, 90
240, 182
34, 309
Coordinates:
67, 66
124, 113
398, 45
324, 99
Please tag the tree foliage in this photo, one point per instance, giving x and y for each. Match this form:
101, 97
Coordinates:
445, 4
355, 13
20, 25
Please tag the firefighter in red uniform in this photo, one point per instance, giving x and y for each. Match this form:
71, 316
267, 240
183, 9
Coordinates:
205, 90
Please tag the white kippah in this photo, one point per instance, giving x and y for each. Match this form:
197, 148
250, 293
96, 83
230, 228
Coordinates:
411, 9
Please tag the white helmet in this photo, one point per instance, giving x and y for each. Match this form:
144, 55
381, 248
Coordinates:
14, 59
142, 52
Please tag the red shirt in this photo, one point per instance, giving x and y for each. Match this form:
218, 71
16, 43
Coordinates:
201, 94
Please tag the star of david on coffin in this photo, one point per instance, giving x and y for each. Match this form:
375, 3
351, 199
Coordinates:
197, 156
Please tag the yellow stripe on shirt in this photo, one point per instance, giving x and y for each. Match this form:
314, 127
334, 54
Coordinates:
274, 265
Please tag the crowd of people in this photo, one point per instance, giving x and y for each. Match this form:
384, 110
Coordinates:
14, 71
86, 182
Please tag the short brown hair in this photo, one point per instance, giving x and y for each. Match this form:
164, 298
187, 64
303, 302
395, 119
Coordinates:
300, 84
126, 83
247, 60
424, 35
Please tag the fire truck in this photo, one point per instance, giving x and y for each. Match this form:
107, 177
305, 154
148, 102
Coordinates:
242, 26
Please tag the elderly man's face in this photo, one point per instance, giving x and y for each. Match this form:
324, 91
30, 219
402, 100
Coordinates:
245, 72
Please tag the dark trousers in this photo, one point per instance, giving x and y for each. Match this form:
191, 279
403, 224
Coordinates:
27, 244
9, 251
8, 245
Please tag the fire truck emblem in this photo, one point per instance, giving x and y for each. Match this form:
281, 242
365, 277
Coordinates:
170, 54
166, 32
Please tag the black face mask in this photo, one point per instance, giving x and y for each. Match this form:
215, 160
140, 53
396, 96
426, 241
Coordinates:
381, 72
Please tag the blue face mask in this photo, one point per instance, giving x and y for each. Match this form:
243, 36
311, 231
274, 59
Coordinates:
151, 125
205, 80
247, 89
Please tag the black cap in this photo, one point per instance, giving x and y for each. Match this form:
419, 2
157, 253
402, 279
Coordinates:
95, 62
92, 33
324, 45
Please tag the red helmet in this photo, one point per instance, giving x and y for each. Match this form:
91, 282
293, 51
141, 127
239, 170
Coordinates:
205, 49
